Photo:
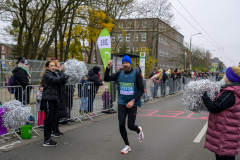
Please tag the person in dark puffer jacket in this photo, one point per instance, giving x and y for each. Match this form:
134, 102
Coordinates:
94, 86
50, 99
62, 105
22, 76
223, 134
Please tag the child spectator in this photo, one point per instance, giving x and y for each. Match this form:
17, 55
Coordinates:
83, 94
107, 99
41, 115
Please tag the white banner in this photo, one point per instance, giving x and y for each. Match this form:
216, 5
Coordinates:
142, 63
117, 63
104, 42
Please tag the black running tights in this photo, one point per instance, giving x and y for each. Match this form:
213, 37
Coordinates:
123, 111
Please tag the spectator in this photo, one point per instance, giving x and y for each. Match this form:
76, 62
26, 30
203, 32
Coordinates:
41, 116
62, 110
50, 100
107, 99
83, 94
22, 76
223, 134
153, 73
94, 78
164, 78
217, 76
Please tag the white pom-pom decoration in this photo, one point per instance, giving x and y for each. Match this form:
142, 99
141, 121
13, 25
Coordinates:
76, 70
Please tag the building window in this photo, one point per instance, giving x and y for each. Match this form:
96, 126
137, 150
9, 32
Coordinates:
161, 39
128, 50
113, 38
83, 55
128, 37
143, 36
160, 52
120, 25
119, 49
136, 49
144, 25
120, 37
94, 59
137, 25
128, 25
136, 37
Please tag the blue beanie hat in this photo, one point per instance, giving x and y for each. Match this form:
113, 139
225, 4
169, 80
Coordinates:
232, 76
126, 59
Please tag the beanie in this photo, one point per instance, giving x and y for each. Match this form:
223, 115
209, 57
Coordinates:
96, 69
19, 58
126, 59
233, 77
24, 61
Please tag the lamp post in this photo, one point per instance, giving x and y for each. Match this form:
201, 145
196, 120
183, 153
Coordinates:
134, 36
185, 61
191, 48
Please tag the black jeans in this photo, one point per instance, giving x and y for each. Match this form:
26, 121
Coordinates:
91, 97
50, 118
224, 157
123, 111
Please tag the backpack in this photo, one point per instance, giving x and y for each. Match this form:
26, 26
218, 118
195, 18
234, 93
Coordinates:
12, 82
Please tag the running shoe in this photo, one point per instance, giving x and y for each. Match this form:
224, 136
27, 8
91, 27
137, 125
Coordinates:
61, 134
50, 143
140, 135
126, 149
55, 134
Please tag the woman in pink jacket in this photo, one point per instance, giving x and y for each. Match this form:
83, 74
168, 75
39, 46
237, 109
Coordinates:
223, 133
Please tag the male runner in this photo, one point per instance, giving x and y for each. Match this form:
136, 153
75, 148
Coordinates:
130, 90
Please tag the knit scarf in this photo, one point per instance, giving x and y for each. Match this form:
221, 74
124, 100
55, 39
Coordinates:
24, 67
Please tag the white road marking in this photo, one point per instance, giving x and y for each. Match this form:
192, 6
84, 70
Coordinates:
9, 145
200, 135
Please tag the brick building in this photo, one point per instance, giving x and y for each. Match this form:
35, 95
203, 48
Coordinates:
6, 50
151, 35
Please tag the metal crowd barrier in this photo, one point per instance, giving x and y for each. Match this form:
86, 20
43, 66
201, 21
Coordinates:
85, 100
169, 87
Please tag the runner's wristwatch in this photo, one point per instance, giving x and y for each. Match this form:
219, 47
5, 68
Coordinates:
134, 100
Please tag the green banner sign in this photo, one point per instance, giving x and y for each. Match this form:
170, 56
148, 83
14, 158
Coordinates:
104, 45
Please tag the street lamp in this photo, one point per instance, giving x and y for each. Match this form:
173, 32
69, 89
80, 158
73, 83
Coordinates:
191, 47
134, 36
185, 61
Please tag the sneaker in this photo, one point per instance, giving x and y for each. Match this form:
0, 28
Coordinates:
61, 134
50, 143
55, 134
126, 149
140, 135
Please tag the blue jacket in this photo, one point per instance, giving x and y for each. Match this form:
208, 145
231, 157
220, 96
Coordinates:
83, 89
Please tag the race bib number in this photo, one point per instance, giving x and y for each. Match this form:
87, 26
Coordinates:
126, 88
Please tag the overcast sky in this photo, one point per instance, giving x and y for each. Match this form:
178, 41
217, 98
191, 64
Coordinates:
219, 18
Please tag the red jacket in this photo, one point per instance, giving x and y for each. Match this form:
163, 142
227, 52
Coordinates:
223, 133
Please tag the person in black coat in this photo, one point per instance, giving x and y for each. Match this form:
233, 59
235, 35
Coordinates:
94, 86
164, 79
22, 76
50, 99
62, 110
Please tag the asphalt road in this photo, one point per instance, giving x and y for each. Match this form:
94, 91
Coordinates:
169, 134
